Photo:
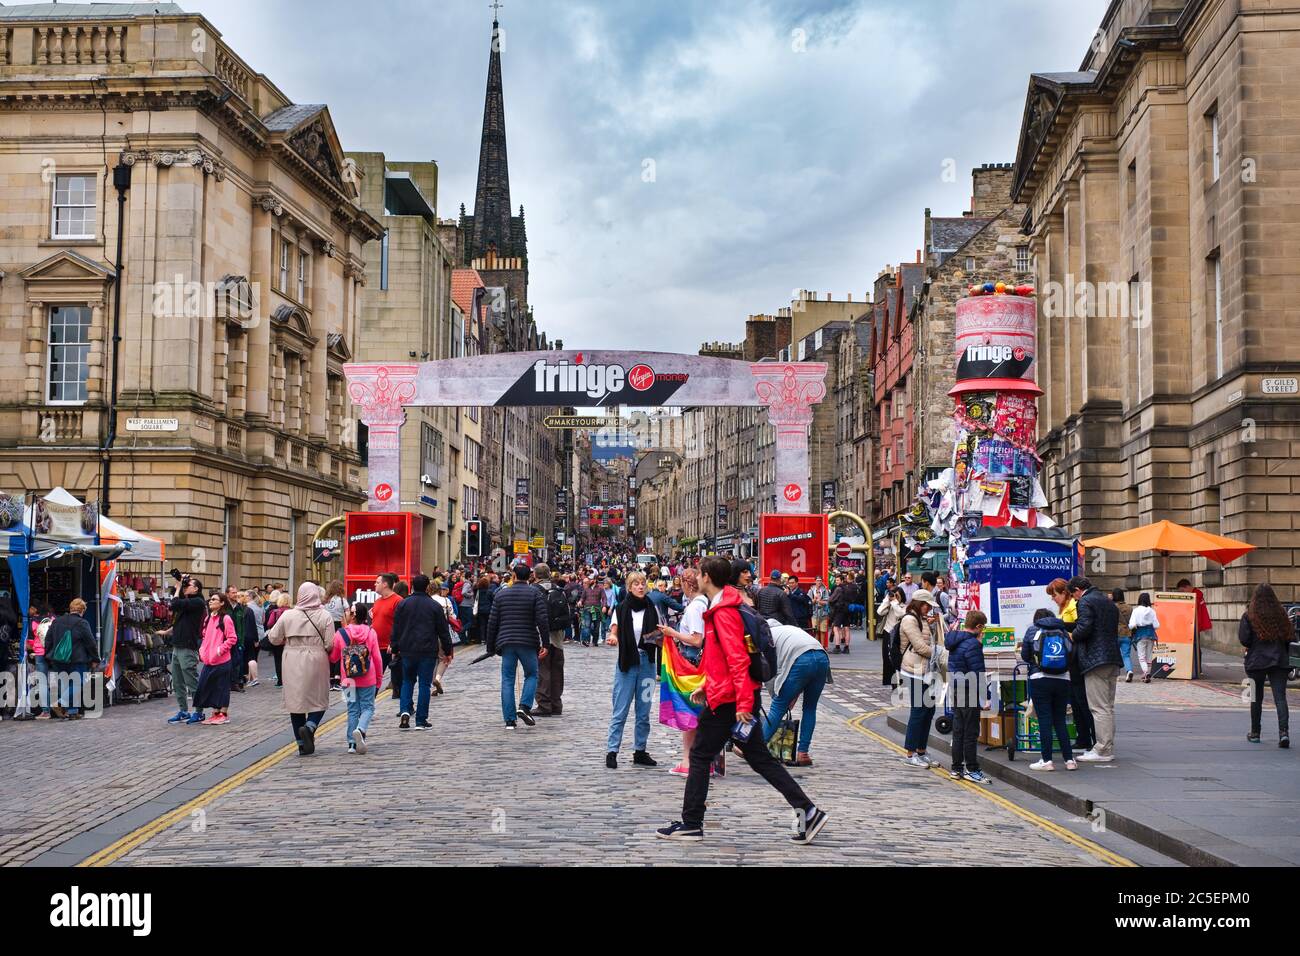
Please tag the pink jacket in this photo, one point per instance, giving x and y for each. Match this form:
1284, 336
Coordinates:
218, 639
358, 634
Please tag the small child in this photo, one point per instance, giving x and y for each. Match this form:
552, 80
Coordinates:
357, 645
966, 665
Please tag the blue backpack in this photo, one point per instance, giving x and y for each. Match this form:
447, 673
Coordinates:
1053, 649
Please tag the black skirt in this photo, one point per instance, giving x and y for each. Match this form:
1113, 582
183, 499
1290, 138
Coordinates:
214, 686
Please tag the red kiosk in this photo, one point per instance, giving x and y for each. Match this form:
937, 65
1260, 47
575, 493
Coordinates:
379, 542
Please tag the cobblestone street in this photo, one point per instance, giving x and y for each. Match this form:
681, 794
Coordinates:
471, 792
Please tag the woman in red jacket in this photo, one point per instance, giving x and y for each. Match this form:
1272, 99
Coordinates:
219, 639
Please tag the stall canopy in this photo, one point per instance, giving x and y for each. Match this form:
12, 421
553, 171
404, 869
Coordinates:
139, 546
1168, 536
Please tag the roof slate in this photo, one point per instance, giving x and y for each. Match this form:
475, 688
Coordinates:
87, 11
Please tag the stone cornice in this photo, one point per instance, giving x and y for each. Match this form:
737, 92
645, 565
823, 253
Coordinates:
192, 156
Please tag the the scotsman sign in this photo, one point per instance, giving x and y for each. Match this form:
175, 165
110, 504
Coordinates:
382, 391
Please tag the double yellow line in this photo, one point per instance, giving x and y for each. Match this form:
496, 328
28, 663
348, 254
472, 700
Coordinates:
1069, 836
114, 852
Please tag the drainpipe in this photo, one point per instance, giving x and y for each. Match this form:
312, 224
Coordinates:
122, 183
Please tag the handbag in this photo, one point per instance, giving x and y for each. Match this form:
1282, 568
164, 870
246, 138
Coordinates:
784, 745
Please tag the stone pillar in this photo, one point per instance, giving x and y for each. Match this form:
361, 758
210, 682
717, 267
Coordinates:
381, 392
323, 323
258, 391
789, 391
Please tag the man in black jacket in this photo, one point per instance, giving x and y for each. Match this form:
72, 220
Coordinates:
188, 611
1096, 639
71, 633
519, 630
550, 675
773, 601
419, 627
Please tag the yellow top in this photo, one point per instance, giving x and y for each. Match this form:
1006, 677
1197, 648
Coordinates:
1071, 612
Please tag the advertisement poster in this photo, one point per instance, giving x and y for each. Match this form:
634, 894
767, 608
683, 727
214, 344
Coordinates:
1176, 612
521, 494
1017, 604
795, 544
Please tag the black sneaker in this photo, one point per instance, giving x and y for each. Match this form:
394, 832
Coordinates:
1284, 741
510, 725
643, 759
424, 726
405, 723
306, 740
680, 831
611, 760
846, 648
526, 717
812, 826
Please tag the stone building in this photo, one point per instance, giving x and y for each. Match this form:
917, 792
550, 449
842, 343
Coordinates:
1159, 180
243, 266
982, 245
850, 394
408, 314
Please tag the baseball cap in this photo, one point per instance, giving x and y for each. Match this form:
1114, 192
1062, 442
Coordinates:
921, 594
776, 575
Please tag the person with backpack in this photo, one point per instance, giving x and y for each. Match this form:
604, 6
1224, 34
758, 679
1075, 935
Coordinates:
739, 655
1047, 650
635, 631
41, 619
71, 652
550, 669
420, 634
1266, 633
966, 667
442, 594
216, 653
356, 651
913, 656
1142, 625
889, 615
306, 632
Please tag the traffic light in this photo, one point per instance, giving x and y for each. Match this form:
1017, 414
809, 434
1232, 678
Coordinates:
474, 539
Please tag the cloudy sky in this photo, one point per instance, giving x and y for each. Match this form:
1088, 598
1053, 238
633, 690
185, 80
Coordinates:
682, 163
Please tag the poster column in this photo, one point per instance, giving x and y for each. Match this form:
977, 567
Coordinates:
381, 391
789, 391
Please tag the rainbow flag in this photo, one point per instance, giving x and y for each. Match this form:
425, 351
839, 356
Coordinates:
678, 679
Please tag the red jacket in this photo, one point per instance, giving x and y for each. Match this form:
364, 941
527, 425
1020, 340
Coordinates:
725, 660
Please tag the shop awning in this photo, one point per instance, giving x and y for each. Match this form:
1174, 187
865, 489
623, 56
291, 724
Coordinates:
143, 547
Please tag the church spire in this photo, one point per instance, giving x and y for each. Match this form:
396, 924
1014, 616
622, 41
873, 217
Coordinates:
492, 226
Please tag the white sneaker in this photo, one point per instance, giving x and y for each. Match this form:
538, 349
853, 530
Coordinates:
1071, 765
928, 759
1093, 757
1042, 765
916, 760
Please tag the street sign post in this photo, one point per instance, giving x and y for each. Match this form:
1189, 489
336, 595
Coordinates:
843, 549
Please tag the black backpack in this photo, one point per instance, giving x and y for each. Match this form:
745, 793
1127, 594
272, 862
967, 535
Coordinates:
759, 644
557, 609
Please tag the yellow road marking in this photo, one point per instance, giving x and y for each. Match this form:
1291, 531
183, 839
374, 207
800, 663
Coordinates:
119, 849
1097, 850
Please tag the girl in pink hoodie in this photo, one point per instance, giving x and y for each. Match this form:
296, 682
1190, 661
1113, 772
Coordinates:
219, 639
356, 650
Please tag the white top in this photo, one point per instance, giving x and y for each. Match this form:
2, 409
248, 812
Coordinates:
693, 616
791, 643
638, 620
1143, 617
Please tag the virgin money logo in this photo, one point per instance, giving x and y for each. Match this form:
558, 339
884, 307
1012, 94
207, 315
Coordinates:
641, 377
793, 492
383, 492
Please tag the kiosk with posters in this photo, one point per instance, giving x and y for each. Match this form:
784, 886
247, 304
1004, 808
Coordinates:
793, 544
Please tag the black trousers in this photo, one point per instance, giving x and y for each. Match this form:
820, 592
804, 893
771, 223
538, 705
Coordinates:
300, 720
965, 738
1276, 678
711, 736
394, 665
1085, 734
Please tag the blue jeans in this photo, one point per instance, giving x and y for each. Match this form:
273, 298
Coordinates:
360, 710
639, 685
511, 656
807, 676
72, 690
39, 699
1050, 695
1126, 652
413, 669
604, 625
921, 716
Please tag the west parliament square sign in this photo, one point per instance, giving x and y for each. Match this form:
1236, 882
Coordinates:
383, 390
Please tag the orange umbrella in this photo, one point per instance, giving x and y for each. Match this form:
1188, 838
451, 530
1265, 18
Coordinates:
1167, 536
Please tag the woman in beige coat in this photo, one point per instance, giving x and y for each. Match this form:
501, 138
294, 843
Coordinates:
918, 634
306, 631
